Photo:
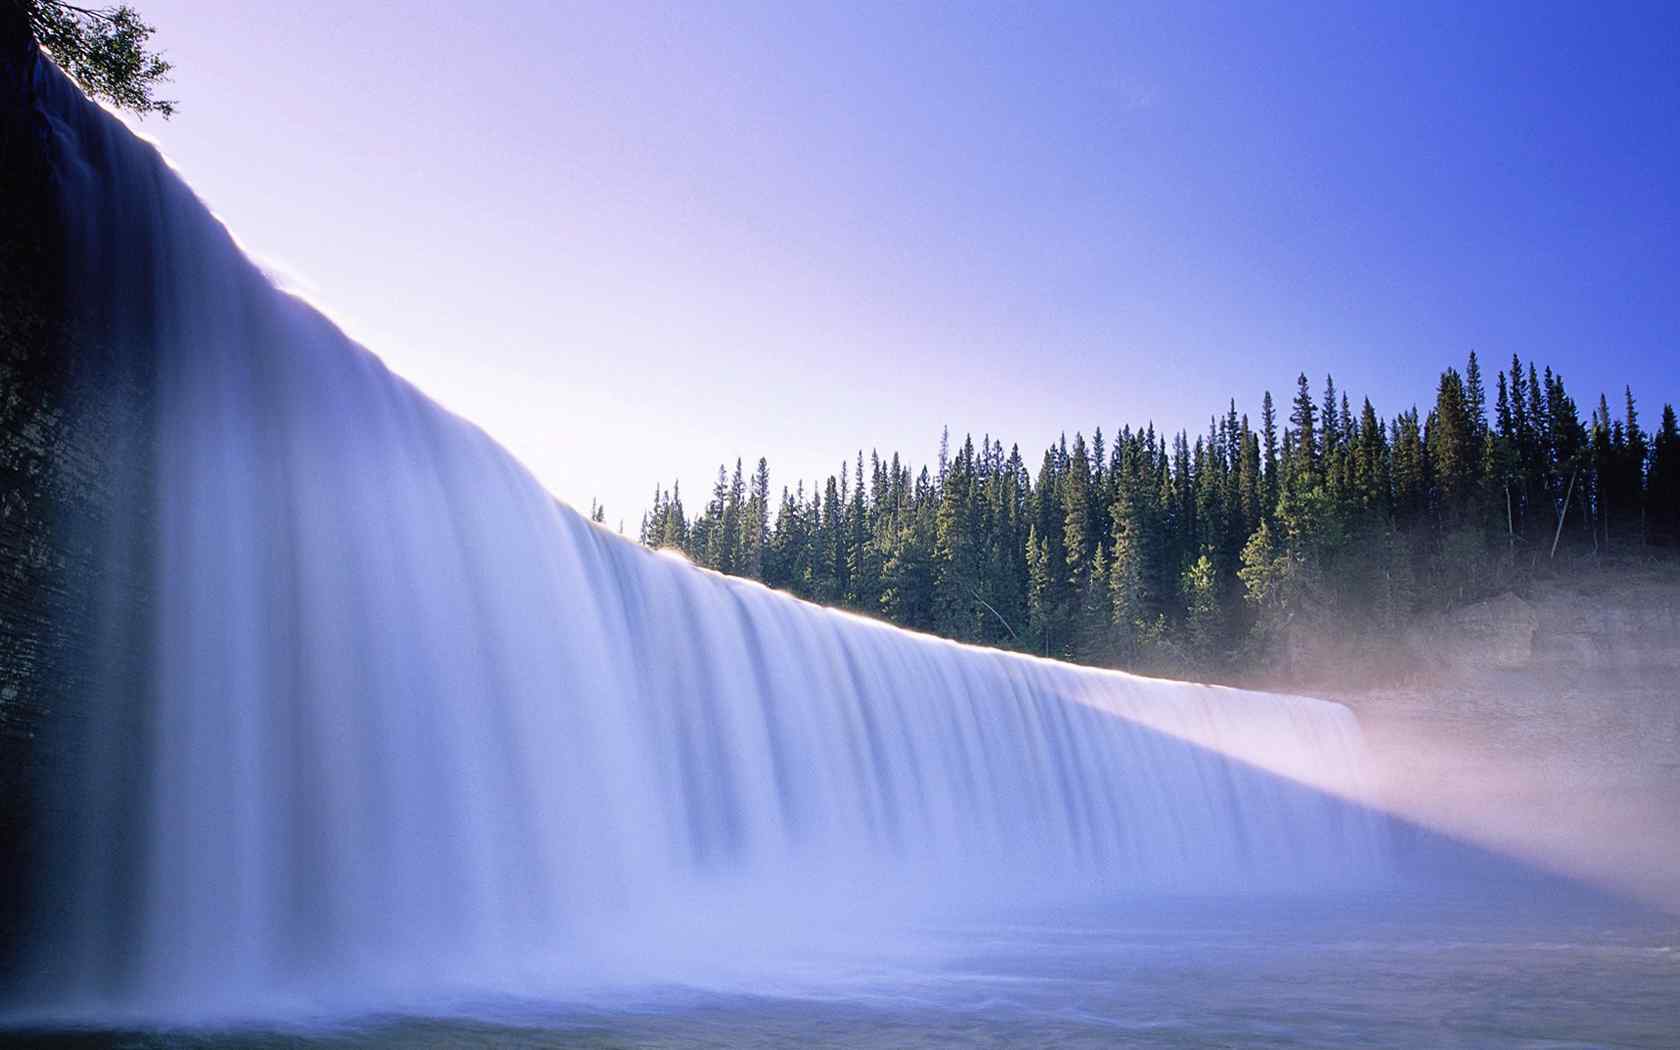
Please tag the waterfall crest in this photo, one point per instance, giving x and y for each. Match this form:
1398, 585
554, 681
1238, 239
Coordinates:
405, 715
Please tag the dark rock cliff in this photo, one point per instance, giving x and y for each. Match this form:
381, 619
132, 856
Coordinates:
72, 426
35, 590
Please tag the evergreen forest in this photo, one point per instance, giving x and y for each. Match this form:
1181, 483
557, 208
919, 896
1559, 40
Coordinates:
1204, 554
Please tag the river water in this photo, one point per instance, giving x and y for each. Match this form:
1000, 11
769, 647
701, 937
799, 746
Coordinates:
1538, 969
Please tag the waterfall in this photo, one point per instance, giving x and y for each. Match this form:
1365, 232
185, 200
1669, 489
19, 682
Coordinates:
404, 717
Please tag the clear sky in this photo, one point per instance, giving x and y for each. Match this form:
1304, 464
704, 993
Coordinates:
631, 242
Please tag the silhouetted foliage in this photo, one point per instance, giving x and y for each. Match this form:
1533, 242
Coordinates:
104, 50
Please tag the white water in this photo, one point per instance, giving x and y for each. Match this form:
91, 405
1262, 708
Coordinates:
412, 725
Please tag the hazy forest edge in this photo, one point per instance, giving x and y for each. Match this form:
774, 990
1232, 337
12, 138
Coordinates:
1215, 555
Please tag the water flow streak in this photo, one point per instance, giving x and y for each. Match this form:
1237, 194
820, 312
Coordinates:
409, 721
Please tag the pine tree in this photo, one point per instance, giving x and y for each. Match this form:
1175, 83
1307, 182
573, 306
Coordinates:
1200, 590
1525, 453
957, 549
944, 454
1041, 600
1604, 458
1077, 540
1341, 471
729, 530
711, 533
1330, 420
1251, 481
828, 560
1128, 591
784, 546
755, 523
1633, 468
1267, 576
1371, 469
907, 596
1303, 421
1410, 471
1096, 641
1139, 561
674, 526
1047, 559
1452, 448
1475, 397
1502, 408
1662, 490
1269, 453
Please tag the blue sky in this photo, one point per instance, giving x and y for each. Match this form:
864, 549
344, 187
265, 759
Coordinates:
634, 241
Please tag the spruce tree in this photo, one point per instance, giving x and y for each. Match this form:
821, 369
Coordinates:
1199, 589
755, 523
1475, 395
1410, 472
1250, 481
1269, 453
1662, 490
957, 550
1041, 599
1303, 422
1371, 466
1452, 447
1077, 540
1633, 467
1047, 561
1330, 420
1096, 641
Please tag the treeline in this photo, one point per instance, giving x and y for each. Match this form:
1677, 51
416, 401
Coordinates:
1203, 553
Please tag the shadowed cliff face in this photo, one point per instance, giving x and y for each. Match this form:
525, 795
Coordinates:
72, 436
36, 575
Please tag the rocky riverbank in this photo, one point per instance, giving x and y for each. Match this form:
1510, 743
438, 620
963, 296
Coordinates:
1547, 724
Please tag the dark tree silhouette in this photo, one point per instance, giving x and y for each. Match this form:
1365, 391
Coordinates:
103, 49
